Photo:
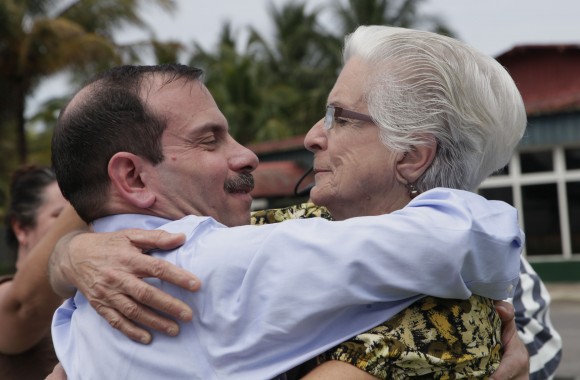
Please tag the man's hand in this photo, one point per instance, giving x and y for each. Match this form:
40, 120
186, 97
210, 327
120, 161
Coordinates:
108, 267
515, 361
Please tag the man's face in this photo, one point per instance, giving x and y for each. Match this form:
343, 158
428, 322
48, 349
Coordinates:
354, 171
203, 165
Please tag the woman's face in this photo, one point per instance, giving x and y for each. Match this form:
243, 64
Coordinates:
355, 173
52, 205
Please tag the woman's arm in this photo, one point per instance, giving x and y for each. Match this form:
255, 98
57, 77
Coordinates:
108, 269
336, 370
28, 302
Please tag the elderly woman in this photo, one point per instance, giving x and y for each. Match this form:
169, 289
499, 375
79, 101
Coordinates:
445, 114
26, 300
410, 111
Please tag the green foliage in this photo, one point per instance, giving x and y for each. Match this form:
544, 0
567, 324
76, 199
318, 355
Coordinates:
275, 86
39, 38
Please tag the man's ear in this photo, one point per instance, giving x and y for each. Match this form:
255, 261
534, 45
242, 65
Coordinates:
413, 163
125, 171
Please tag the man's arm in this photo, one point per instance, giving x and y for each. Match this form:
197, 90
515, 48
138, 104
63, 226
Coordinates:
27, 302
361, 283
515, 361
85, 265
529, 323
335, 370
108, 268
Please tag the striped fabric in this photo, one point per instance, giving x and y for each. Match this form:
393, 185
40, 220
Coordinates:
531, 302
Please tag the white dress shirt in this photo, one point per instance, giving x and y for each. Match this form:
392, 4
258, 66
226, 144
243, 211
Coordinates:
277, 295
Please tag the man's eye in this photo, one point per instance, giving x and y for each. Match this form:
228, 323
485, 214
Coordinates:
340, 121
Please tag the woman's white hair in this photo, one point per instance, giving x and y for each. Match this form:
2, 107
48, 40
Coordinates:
424, 86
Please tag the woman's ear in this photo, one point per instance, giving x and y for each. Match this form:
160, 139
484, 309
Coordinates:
125, 170
20, 232
413, 163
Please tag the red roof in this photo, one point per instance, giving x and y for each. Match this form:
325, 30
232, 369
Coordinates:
548, 76
276, 178
291, 143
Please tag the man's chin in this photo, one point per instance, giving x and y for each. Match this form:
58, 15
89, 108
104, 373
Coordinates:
240, 219
239, 210
240, 201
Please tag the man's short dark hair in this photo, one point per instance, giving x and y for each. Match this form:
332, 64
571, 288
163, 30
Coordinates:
111, 118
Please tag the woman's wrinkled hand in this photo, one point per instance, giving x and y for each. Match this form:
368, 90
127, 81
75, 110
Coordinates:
108, 269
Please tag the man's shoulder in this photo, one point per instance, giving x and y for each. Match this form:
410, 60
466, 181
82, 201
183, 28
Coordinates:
192, 225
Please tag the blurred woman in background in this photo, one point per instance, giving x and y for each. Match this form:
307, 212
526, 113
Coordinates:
27, 301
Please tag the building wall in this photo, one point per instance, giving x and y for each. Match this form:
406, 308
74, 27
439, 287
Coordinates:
543, 182
543, 177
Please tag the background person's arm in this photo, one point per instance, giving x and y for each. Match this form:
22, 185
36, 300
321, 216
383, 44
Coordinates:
532, 314
28, 302
108, 267
361, 277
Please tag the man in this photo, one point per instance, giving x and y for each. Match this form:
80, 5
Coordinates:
142, 146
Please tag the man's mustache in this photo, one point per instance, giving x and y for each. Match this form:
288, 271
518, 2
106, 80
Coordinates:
241, 183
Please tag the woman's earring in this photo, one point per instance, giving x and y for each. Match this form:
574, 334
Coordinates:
413, 191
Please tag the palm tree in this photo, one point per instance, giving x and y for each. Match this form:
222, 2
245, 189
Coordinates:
166, 51
38, 39
276, 86
401, 13
233, 79
298, 65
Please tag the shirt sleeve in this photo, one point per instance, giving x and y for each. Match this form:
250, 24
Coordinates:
532, 308
293, 290
443, 244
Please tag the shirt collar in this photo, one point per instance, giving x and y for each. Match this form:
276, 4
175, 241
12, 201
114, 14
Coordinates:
122, 221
